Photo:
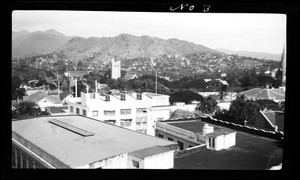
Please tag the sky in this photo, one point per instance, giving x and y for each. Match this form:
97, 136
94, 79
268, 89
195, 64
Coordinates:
233, 31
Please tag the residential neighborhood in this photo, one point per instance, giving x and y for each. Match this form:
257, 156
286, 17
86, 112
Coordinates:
143, 102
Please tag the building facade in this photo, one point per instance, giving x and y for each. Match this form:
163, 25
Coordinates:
129, 110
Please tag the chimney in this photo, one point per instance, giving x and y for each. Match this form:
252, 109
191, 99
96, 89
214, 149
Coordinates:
96, 87
207, 129
76, 87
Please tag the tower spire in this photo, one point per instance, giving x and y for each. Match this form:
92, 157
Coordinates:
283, 64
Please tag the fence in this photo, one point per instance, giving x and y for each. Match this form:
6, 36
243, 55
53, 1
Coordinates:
252, 130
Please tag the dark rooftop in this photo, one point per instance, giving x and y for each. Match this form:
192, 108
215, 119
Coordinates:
193, 126
251, 152
57, 109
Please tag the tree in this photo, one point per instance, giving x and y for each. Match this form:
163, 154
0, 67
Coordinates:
26, 108
185, 96
269, 104
241, 110
208, 105
15, 90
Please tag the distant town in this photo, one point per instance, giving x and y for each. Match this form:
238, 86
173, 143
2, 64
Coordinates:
168, 111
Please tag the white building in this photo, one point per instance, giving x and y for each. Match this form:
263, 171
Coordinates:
76, 142
130, 110
218, 140
115, 69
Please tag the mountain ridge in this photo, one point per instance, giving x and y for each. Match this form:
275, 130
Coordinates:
253, 54
124, 45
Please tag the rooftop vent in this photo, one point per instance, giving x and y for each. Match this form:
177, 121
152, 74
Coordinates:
71, 128
207, 129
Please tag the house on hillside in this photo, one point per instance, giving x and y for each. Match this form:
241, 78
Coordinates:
276, 95
42, 99
267, 120
130, 75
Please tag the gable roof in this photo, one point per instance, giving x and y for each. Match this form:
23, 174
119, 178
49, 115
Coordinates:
261, 93
37, 96
78, 73
64, 95
130, 75
54, 109
276, 118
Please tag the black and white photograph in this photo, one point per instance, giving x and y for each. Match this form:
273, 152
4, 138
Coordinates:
148, 90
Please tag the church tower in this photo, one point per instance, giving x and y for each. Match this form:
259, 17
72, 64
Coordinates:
283, 65
115, 69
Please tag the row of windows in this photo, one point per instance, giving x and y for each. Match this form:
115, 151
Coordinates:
163, 109
122, 112
180, 144
141, 123
22, 160
125, 122
109, 112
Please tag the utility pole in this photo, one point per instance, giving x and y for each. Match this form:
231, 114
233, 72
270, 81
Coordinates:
57, 85
156, 81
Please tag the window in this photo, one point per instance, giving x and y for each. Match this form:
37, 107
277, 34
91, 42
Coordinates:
211, 142
24, 157
71, 109
109, 113
125, 111
139, 96
135, 164
123, 97
160, 135
141, 110
84, 112
110, 121
180, 144
77, 110
95, 113
125, 122
160, 119
170, 139
13, 151
139, 119
107, 98
92, 96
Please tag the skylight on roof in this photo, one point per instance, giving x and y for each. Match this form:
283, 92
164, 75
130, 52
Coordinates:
72, 128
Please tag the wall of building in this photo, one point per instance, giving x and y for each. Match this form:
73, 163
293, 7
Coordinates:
160, 161
38, 156
115, 162
132, 165
96, 106
23, 160
186, 143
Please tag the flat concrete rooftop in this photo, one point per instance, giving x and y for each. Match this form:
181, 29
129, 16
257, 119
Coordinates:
76, 150
251, 152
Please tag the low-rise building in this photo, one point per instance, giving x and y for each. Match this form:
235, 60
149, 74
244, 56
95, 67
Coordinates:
74, 142
221, 148
276, 95
267, 120
42, 99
